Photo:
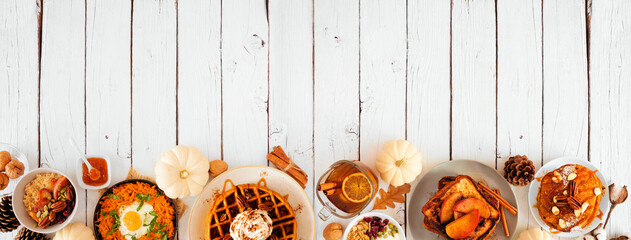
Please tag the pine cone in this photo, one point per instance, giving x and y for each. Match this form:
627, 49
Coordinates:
519, 171
25, 234
8, 222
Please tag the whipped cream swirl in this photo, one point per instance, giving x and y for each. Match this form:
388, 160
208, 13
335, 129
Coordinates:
251, 225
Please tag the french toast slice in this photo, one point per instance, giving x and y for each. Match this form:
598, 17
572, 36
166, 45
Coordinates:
468, 188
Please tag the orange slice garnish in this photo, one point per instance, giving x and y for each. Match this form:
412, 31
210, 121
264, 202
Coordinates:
356, 188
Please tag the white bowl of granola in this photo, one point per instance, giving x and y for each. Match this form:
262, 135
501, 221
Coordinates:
44, 200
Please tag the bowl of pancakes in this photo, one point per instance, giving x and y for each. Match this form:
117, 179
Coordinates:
568, 197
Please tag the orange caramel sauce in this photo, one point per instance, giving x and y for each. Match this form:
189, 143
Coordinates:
101, 165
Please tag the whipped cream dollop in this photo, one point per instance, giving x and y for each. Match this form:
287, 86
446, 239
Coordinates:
251, 225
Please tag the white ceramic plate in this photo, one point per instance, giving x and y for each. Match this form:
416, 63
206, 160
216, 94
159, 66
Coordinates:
276, 180
15, 154
20, 209
428, 186
374, 214
551, 166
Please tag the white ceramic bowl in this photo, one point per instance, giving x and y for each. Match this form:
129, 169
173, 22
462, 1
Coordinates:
20, 210
79, 172
551, 166
374, 214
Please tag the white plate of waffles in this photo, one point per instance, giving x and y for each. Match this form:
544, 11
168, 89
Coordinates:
215, 207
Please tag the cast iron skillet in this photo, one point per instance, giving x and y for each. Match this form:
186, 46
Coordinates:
97, 210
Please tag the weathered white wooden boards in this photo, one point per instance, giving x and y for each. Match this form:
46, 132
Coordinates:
199, 82
327, 80
108, 87
19, 74
336, 87
610, 84
519, 89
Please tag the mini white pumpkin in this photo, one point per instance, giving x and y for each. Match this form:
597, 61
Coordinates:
182, 171
74, 231
534, 234
399, 162
599, 233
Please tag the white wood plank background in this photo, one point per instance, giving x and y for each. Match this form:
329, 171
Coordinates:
327, 80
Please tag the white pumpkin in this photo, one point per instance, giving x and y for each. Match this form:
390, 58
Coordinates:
75, 231
534, 234
182, 171
399, 162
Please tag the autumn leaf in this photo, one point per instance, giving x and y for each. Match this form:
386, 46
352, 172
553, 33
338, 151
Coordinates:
394, 195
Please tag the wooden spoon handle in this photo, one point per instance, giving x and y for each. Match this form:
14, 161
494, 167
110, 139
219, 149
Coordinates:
609, 214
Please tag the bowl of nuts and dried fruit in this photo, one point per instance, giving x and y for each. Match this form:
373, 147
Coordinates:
373, 226
44, 200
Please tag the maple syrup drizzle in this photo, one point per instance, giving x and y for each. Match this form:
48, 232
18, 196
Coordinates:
600, 214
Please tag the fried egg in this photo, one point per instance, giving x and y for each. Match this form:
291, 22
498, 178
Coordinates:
134, 222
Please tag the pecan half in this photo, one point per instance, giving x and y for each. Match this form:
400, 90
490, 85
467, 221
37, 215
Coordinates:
562, 204
58, 207
241, 202
560, 200
266, 206
574, 203
223, 217
70, 193
573, 190
44, 222
52, 216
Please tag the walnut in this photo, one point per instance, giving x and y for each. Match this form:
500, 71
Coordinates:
217, 167
333, 231
5, 158
15, 169
4, 181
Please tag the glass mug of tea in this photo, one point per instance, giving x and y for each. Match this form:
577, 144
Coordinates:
346, 189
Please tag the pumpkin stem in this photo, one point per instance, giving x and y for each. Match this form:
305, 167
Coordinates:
398, 163
184, 174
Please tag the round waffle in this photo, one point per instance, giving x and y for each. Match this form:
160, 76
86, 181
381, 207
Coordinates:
253, 196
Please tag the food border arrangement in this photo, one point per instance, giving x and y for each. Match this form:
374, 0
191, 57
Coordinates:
456, 200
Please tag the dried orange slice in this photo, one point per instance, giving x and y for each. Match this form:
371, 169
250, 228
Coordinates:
356, 188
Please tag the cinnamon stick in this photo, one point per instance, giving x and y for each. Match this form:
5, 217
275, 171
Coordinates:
332, 191
502, 217
501, 200
283, 162
328, 185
